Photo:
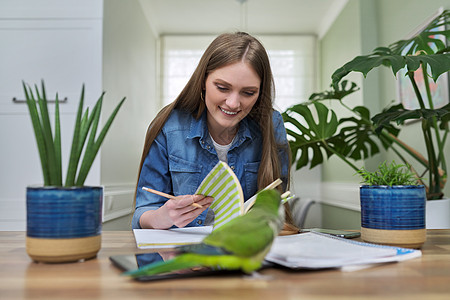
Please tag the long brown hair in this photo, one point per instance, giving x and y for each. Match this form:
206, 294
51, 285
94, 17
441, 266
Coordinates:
226, 49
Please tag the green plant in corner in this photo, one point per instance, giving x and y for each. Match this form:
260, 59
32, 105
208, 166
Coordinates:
319, 131
49, 143
427, 52
388, 174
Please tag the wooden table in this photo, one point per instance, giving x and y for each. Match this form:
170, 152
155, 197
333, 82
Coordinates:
425, 278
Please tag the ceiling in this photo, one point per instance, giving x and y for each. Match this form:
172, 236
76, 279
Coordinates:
255, 16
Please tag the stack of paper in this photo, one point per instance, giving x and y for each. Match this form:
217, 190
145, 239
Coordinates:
316, 250
162, 238
310, 250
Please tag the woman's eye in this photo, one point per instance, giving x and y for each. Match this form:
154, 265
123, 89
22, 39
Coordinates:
222, 88
249, 94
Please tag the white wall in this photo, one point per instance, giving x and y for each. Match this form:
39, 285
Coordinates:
59, 42
129, 69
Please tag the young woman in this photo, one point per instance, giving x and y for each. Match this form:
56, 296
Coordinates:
224, 113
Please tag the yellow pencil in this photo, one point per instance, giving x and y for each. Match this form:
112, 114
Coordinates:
167, 195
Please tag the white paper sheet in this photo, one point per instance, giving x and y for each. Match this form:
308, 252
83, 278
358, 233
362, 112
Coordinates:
154, 238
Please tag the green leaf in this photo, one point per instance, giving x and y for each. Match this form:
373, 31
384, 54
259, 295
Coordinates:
312, 137
74, 155
358, 135
439, 63
429, 40
57, 141
92, 150
38, 131
107, 125
404, 53
365, 63
86, 123
336, 93
89, 153
399, 115
48, 136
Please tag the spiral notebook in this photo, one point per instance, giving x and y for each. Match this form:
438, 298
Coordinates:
315, 250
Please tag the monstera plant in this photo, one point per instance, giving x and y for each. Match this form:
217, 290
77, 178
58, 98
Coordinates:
315, 132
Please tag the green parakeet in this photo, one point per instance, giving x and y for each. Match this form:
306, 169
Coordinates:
242, 243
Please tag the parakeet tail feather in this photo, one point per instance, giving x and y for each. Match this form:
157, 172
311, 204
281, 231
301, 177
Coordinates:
177, 263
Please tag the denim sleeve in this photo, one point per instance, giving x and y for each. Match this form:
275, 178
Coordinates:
154, 174
283, 146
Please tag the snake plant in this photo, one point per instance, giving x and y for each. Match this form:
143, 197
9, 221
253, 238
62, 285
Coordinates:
49, 143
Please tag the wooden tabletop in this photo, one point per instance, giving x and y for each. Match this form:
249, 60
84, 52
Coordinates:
426, 278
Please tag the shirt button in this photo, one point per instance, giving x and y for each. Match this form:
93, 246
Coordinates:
199, 222
232, 168
208, 147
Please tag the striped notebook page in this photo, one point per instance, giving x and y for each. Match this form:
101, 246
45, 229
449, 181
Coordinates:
222, 184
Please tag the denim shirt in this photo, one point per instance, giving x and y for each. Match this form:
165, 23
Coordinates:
183, 154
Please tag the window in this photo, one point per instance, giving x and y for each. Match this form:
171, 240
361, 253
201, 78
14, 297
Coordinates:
179, 57
292, 60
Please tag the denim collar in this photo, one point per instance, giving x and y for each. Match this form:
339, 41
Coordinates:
199, 129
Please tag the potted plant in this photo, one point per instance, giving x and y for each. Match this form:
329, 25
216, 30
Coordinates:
316, 131
64, 218
427, 53
392, 206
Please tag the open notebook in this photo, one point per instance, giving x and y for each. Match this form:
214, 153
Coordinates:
222, 184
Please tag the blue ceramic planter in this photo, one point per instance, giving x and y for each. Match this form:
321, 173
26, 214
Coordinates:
72, 216
393, 215
64, 212
397, 207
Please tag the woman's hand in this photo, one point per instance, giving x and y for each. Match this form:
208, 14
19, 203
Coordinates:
178, 212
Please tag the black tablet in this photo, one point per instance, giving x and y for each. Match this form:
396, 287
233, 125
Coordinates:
135, 261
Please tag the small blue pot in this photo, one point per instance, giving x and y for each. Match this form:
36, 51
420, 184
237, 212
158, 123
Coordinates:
70, 215
393, 214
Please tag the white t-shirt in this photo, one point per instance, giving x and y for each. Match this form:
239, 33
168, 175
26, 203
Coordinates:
222, 150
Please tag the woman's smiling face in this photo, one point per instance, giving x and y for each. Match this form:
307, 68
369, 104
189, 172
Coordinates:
231, 92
